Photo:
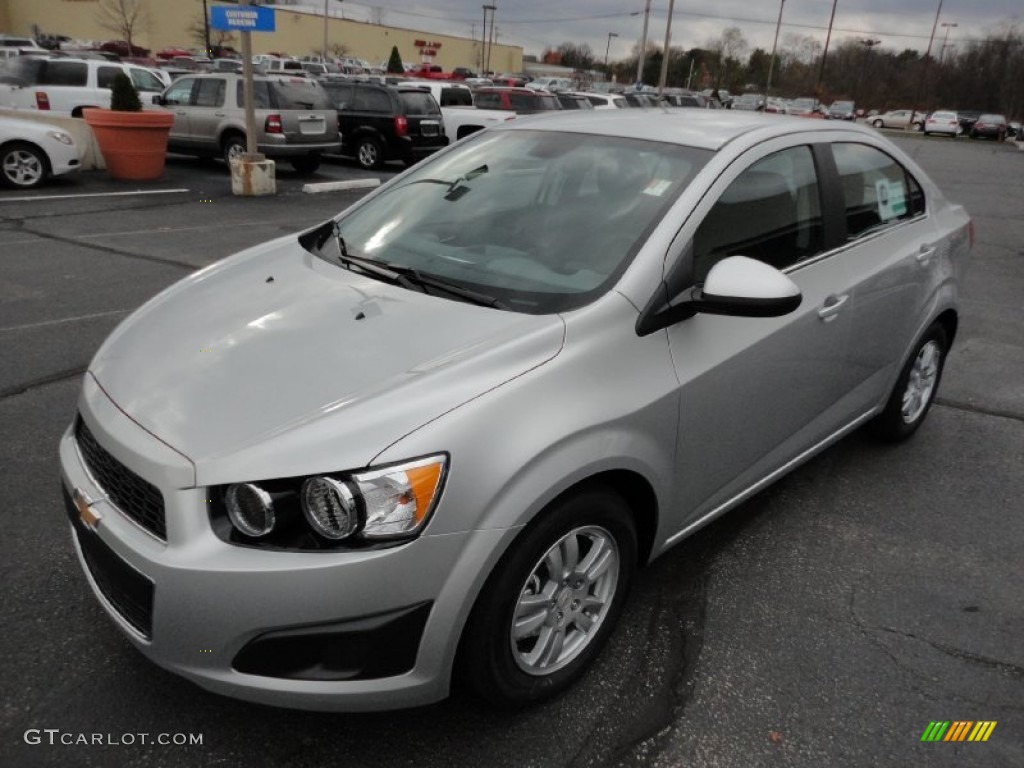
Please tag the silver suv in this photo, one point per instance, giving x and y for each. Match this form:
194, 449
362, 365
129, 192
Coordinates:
295, 119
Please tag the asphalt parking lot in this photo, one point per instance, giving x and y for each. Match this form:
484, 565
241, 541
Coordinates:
825, 622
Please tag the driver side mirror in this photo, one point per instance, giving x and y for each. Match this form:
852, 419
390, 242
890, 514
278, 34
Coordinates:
737, 285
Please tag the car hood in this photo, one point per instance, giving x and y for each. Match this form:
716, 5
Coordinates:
275, 363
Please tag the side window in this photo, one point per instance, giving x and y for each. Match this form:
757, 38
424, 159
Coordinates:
210, 93
372, 100
65, 73
341, 96
877, 191
145, 81
180, 91
260, 94
105, 76
771, 212
456, 97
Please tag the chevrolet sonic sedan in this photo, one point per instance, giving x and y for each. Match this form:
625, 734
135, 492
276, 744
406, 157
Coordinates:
439, 433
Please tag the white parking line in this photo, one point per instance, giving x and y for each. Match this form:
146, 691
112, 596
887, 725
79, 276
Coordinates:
66, 320
336, 186
92, 194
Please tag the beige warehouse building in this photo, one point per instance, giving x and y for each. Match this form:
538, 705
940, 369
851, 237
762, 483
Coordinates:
299, 31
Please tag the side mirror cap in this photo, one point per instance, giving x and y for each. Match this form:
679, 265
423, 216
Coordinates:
737, 286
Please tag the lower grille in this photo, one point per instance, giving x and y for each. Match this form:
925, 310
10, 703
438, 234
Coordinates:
128, 591
136, 498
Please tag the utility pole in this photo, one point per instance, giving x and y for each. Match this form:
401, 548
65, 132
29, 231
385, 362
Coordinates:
485, 54
323, 55
608, 48
775, 46
490, 44
664, 55
824, 55
927, 59
643, 44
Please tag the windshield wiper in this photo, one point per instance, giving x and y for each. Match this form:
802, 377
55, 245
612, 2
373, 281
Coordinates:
372, 266
456, 188
429, 281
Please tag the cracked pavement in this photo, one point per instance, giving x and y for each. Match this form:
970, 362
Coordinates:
825, 622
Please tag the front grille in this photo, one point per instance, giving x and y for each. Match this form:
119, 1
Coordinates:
128, 591
136, 498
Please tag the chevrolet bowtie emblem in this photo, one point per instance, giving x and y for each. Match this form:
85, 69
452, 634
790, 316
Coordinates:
86, 513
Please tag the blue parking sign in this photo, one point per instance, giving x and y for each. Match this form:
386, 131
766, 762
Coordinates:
243, 18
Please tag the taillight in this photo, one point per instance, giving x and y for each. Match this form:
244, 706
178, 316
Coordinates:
42, 100
401, 126
273, 124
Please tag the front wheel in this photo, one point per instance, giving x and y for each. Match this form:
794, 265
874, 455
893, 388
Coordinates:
552, 601
22, 166
878, 123
915, 388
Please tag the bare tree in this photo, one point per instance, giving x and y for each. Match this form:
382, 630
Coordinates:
123, 17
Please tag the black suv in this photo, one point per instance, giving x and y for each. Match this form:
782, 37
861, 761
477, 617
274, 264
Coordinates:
381, 122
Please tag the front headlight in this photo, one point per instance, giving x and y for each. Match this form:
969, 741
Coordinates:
60, 136
344, 509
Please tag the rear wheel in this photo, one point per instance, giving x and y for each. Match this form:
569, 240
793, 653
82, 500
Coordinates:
915, 389
306, 165
369, 153
23, 166
551, 603
232, 147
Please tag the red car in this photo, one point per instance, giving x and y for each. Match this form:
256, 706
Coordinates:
520, 100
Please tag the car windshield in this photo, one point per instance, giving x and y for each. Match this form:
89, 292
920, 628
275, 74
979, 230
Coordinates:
540, 221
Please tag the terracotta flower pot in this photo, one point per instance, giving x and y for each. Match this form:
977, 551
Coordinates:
134, 144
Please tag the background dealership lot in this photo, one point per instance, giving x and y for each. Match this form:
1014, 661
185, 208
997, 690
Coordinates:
825, 622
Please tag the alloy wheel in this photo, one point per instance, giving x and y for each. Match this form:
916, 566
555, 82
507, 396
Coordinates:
23, 168
921, 383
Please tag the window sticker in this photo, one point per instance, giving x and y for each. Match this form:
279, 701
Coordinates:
892, 199
657, 187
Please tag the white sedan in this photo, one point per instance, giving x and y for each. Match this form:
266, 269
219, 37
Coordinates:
31, 152
943, 122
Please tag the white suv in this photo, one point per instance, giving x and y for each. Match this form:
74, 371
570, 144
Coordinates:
65, 86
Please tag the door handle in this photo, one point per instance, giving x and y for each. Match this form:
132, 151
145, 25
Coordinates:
181, 112
832, 306
218, 114
925, 254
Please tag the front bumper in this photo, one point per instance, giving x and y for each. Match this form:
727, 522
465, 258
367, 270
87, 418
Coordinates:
211, 600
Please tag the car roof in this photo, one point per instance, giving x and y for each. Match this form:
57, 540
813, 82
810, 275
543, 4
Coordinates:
705, 129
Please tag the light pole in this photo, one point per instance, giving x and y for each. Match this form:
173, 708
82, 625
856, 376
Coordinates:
608, 48
323, 56
869, 43
484, 57
775, 45
945, 39
643, 44
206, 29
664, 56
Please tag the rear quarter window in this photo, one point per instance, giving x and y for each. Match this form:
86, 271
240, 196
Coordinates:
456, 97
419, 103
877, 191
65, 73
372, 100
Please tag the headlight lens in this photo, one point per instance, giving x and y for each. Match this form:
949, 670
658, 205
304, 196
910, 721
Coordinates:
329, 507
250, 508
60, 136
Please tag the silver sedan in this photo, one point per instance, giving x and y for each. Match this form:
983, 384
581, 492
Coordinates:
442, 430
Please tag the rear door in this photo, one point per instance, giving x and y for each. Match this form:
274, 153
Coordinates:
892, 247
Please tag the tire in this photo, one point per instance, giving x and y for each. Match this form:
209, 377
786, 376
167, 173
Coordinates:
559, 636
23, 166
369, 154
915, 388
919, 127
232, 145
925, 133
878, 123
306, 164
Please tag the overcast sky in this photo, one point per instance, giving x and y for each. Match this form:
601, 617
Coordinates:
535, 24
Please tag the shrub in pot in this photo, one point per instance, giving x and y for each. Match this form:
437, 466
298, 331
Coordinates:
133, 140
